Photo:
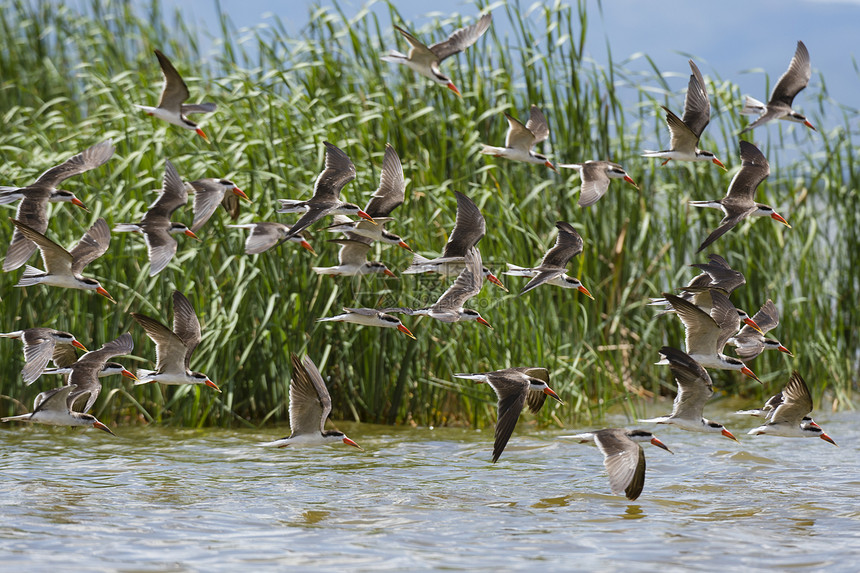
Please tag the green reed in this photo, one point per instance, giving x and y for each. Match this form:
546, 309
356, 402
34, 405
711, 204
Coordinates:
68, 81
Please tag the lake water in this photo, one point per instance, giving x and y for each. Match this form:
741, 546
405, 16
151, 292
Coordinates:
211, 500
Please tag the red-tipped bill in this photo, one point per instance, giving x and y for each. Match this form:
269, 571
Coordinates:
364, 215
751, 374
101, 426
307, 246
201, 134
720, 163
752, 324
105, 294
388, 273
482, 320
549, 164
810, 126
351, 443
128, 374
212, 385
584, 291
778, 217
551, 393
495, 280
782, 348
729, 435
405, 331
827, 438
79, 203
241, 194
77, 344
454, 89
403, 245
191, 234
630, 180
660, 444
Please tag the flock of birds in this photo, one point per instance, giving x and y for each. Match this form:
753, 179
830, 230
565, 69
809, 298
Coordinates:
710, 319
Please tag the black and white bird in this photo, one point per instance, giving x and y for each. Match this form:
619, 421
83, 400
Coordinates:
749, 342
425, 61
795, 78
387, 197
33, 208
156, 227
369, 317
265, 235
469, 228
352, 260
685, 133
171, 107
338, 171
553, 267
694, 390
310, 406
770, 407
789, 417
623, 457
739, 201
63, 268
449, 306
173, 348
40, 346
54, 409
595, 176
521, 139
515, 388
211, 192
716, 274
84, 374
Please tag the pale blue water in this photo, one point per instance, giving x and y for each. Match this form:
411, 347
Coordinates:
421, 499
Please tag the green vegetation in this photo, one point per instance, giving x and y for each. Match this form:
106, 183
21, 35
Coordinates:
68, 81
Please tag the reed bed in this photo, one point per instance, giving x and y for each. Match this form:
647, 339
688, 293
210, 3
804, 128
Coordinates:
70, 79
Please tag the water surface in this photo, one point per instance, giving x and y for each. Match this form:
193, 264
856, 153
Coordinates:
166, 499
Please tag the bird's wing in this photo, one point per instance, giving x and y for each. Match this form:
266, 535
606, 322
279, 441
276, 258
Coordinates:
88, 159
537, 124
185, 324
162, 246
92, 245
117, 347
461, 39
535, 400
173, 194
468, 284
310, 402
796, 402
206, 107
721, 274
518, 136
175, 91
624, 460
169, 348
595, 183
697, 107
726, 224
568, 244
36, 357
511, 391
725, 314
264, 236
469, 228
682, 138
57, 259
795, 78
208, 194
352, 252
56, 400
392, 187
702, 332
767, 318
338, 171
754, 169
694, 384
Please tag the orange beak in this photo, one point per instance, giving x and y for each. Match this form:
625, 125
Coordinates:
752, 324
405, 331
239, 193
630, 180
782, 348
495, 280
550, 165
481, 320
201, 134
77, 344
660, 444
809, 125
307, 246
778, 217
584, 291
191, 234
105, 294
824, 436
454, 89
751, 374
351, 443
403, 244
388, 273
128, 374
212, 385
551, 393
729, 435
720, 163
364, 215
79, 203
101, 426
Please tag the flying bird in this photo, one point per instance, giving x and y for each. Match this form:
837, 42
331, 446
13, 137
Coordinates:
63, 268
795, 78
171, 107
553, 267
310, 406
716, 274
33, 211
788, 417
520, 140
515, 388
739, 201
266, 235
694, 390
156, 226
595, 177
173, 348
40, 346
53, 408
352, 260
685, 133
425, 61
623, 457
211, 192
750, 343
369, 317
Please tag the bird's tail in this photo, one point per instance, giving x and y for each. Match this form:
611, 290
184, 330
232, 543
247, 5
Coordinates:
515, 271
660, 420
652, 153
753, 107
126, 228
15, 334
476, 377
30, 277
143, 376
490, 150
394, 56
22, 418
417, 265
